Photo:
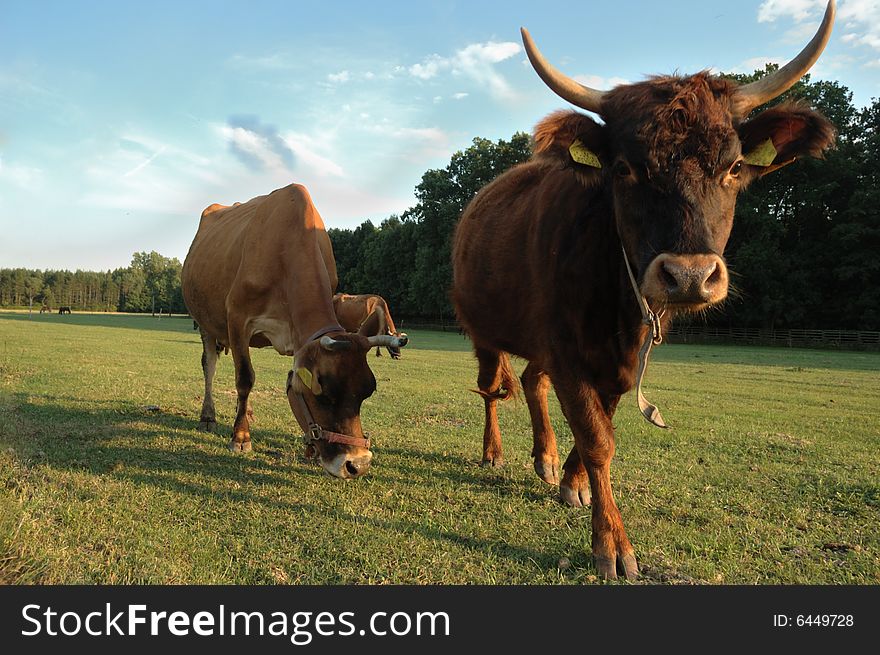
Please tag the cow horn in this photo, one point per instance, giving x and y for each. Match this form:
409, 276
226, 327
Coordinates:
331, 344
388, 340
771, 86
565, 87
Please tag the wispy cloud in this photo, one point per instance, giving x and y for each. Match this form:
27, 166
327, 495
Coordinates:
276, 61
149, 160
601, 83
306, 149
753, 64
800, 10
339, 78
476, 61
257, 145
860, 18
28, 178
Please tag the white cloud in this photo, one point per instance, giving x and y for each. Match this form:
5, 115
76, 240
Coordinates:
305, 148
749, 66
860, 18
339, 78
600, 83
476, 61
430, 67
800, 10
460, 96
254, 146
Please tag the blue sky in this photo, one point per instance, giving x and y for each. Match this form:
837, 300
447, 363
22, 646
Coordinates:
121, 121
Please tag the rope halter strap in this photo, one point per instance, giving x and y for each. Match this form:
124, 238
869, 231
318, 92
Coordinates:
653, 336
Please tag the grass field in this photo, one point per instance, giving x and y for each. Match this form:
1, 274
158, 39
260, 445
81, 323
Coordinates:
770, 475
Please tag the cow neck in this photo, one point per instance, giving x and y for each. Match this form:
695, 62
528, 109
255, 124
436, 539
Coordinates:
654, 335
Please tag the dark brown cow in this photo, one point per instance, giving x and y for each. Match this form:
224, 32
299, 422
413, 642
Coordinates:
541, 255
262, 274
368, 315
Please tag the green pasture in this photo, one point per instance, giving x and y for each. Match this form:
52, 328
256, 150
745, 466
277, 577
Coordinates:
771, 474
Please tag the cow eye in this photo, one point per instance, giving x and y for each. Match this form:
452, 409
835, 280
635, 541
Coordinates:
622, 169
736, 168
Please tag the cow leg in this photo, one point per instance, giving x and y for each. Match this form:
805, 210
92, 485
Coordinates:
589, 416
535, 383
575, 486
244, 382
378, 351
489, 387
208, 418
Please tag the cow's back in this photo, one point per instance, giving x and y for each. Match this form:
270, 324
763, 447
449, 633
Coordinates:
506, 257
271, 251
351, 310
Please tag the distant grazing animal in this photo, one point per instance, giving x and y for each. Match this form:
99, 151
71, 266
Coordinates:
366, 314
542, 255
262, 274
64, 310
45, 309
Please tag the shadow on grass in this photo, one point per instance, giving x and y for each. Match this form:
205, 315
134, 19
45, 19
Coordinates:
87, 441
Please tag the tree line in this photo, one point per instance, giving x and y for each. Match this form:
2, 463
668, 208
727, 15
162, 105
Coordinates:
804, 251
151, 283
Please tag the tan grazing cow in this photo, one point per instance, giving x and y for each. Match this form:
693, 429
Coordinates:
366, 314
262, 274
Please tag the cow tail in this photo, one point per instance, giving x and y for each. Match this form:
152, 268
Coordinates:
509, 381
509, 387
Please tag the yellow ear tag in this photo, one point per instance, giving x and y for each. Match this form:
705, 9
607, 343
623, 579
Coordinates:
583, 155
305, 375
763, 155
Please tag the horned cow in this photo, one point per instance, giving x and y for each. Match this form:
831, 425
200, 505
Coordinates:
260, 274
578, 259
366, 314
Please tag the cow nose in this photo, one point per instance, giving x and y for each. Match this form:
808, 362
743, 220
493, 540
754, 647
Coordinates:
692, 279
357, 466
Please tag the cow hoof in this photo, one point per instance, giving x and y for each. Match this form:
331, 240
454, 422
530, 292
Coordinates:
495, 462
575, 497
208, 426
609, 567
240, 446
547, 471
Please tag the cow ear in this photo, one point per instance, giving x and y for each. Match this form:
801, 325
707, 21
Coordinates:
574, 141
780, 135
309, 380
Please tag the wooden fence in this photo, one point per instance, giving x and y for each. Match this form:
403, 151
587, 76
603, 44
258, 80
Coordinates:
842, 339
835, 339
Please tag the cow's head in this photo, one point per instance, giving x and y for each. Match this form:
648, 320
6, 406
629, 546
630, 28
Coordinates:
330, 376
394, 351
673, 154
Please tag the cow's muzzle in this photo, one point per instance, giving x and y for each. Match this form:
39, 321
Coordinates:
685, 281
348, 464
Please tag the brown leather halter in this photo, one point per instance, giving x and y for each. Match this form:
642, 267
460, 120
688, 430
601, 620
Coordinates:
315, 431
